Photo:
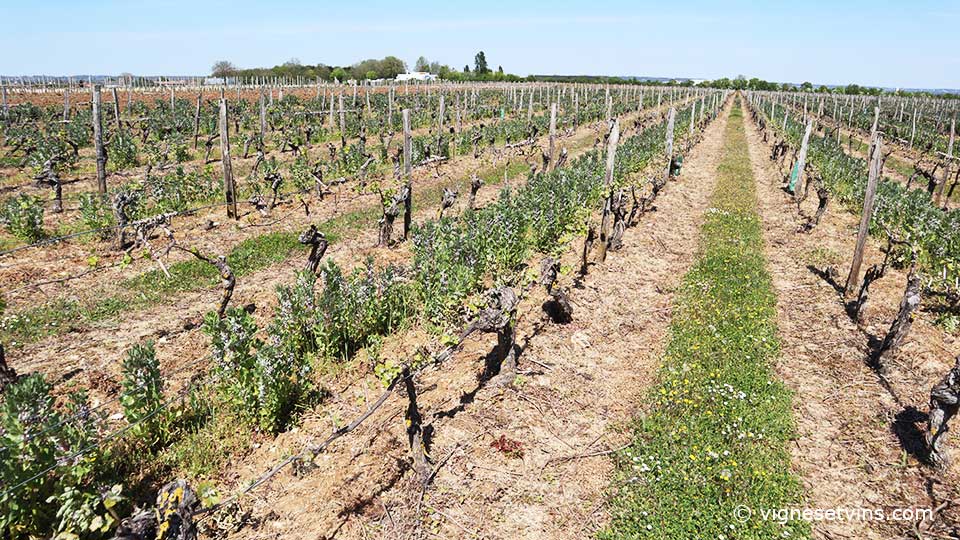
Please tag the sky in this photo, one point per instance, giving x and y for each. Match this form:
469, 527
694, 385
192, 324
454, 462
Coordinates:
913, 44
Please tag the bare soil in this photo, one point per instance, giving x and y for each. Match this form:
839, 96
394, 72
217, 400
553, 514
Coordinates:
858, 433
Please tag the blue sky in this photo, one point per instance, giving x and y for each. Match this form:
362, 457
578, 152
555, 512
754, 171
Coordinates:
898, 44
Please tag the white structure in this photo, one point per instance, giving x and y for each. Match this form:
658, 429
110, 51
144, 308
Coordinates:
417, 76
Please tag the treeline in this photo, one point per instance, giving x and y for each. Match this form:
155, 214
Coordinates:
742, 83
371, 69
391, 66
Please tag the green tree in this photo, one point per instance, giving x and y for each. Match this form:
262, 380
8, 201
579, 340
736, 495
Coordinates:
223, 68
853, 89
339, 74
480, 64
391, 66
422, 64
466, 69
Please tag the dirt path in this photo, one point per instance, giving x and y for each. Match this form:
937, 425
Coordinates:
580, 383
849, 451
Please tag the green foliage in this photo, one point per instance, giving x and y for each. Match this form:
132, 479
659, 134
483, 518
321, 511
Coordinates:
142, 394
178, 190
96, 213
263, 381
234, 343
122, 151
23, 217
353, 310
51, 466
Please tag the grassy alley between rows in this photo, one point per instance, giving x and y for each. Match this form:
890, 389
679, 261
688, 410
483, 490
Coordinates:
709, 454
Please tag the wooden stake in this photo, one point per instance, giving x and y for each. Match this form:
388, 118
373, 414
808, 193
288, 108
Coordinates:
196, 120
99, 151
671, 117
608, 185
946, 166
407, 173
263, 117
853, 278
228, 186
553, 133
796, 184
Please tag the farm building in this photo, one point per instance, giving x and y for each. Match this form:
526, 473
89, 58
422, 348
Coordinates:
417, 76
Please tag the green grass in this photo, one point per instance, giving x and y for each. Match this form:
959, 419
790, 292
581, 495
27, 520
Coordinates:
718, 421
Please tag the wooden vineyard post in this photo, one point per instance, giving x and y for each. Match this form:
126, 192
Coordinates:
440, 125
99, 151
530, 106
913, 127
876, 123
228, 185
331, 111
116, 106
796, 175
343, 124
389, 107
407, 174
693, 118
853, 278
608, 186
671, 117
609, 106
263, 117
553, 133
66, 104
946, 167
3, 96
196, 120
576, 109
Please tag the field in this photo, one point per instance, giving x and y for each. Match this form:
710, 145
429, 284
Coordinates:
484, 310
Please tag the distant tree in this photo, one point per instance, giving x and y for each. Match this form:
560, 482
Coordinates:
293, 62
786, 87
391, 66
853, 89
806, 86
823, 89
339, 74
480, 64
422, 64
466, 69
223, 68
322, 71
500, 70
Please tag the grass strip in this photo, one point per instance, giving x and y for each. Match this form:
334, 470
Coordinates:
710, 455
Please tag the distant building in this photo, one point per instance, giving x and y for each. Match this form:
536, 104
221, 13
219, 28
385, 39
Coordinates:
417, 76
219, 81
